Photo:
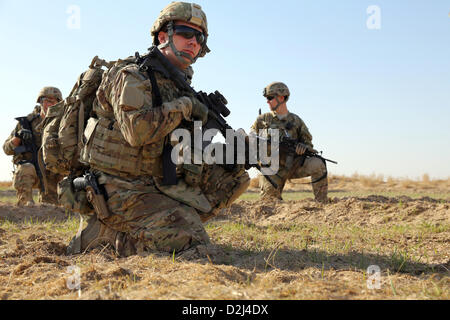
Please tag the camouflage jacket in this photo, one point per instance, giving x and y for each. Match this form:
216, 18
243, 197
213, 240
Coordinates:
291, 126
36, 125
128, 139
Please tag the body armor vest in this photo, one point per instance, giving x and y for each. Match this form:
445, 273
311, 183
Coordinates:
107, 150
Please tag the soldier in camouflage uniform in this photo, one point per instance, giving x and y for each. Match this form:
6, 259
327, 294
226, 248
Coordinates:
291, 126
125, 150
25, 178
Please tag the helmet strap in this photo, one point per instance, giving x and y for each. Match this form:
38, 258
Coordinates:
279, 104
170, 43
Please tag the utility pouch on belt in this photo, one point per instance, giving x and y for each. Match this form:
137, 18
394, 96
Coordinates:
94, 194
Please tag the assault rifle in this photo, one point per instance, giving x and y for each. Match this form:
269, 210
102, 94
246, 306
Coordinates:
29, 146
215, 102
289, 146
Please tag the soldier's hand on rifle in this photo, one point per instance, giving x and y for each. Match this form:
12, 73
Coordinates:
24, 134
199, 111
301, 149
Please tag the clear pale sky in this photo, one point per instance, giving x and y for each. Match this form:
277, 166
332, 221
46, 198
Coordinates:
375, 100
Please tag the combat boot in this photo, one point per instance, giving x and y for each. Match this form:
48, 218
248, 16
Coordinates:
125, 245
96, 234
320, 190
267, 192
25, 197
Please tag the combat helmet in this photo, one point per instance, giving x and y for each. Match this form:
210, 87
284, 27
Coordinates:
183, 11
277, 89
50, 92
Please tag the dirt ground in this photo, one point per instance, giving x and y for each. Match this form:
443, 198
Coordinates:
291, 250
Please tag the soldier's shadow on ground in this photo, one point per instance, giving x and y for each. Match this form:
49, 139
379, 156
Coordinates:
298, 260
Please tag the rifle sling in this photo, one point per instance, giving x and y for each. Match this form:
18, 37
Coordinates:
169, 168
156, 93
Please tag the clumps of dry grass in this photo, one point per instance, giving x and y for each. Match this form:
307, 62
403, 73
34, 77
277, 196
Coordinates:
375, 181
406, 184
298, 250
370, 181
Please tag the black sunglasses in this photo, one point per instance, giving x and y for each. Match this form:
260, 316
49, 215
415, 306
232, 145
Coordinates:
188, 32
270, 98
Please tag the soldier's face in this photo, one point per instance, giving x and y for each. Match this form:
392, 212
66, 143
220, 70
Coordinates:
273, 101
47, 102
182, 44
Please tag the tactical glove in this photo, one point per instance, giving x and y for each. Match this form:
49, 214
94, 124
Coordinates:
301, 149
24, 134
199, 111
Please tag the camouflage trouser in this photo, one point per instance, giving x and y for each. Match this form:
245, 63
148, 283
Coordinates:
151, 220
154, 221
313, 167
25, 180
222, 187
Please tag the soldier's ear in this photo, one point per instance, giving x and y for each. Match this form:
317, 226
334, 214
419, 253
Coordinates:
163, 37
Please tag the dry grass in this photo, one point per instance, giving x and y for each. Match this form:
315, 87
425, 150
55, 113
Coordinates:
377, 183
5, 184
287, 250
372, 181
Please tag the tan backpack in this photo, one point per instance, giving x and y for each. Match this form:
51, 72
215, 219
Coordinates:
62, 136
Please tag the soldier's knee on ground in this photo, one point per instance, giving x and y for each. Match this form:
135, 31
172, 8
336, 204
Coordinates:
177, 240
211, 252
175, 230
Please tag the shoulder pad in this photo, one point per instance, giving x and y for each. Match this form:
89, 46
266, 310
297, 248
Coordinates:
133, 69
